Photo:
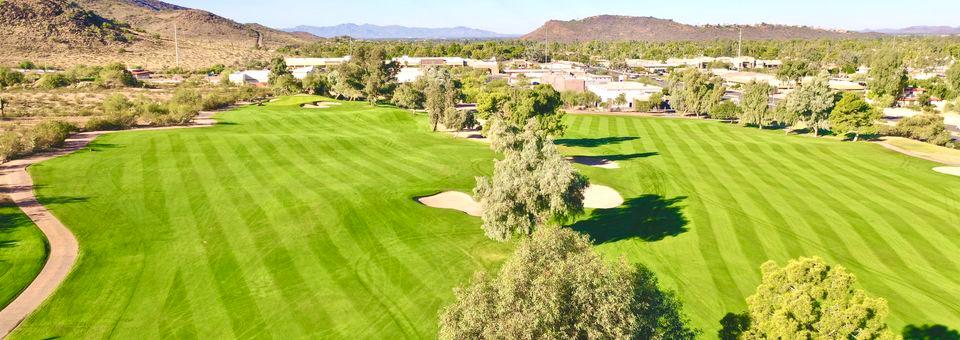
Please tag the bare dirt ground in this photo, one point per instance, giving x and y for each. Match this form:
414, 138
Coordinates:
64, 249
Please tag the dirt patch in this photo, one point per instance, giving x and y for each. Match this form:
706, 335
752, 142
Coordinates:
453, 200
594, 162
948, 170
601, 197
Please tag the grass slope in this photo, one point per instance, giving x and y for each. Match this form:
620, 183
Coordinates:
23, 251
281, 223
288, 223
708, 203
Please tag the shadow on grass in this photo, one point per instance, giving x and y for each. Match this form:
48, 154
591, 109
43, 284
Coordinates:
650, 218
628, 157
593, 142
930, 332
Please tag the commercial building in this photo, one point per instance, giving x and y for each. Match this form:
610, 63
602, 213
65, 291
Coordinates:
252, 77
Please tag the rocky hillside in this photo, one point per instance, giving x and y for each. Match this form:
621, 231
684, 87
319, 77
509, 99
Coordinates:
158, 17
623, 28
63, 33
50, 25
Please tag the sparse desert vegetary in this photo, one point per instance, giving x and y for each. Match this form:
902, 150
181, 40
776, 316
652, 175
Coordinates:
287, 221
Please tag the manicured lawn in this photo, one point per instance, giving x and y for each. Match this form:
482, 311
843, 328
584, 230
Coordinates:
23, 250
289, 223
281, 223
708, 203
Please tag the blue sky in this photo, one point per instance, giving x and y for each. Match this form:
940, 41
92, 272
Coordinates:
522, 16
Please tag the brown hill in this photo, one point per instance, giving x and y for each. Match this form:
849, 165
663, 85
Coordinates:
63, 33
159, 17
625, 28
49, 25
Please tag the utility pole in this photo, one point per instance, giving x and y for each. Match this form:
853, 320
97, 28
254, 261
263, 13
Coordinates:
176, 42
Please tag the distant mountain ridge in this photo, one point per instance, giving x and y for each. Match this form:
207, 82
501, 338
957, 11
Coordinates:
919, 30
367, 31
626, 28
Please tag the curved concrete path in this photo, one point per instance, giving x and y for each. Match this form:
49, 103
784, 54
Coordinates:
16, 183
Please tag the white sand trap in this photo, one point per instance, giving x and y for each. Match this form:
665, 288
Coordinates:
594, 162
601, 197
312, 106
949, 170
453, 200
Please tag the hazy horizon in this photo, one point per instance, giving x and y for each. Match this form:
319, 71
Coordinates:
514, 17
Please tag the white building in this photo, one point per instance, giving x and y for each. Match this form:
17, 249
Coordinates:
303, 72
609, 92
254, 77
409, 74
317, 62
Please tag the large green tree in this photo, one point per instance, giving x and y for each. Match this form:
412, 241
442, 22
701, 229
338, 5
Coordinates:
887, 75
692, 91
794, 70
379, 76
541, 102
756, 103
812, 103
852, 115
808, 299
532, 186
953, 80
556, 286
440, 98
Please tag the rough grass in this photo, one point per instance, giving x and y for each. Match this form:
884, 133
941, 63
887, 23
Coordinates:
23, 250
707, 203
288, 222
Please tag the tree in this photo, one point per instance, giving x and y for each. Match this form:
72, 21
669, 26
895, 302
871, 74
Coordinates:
887, 74
727, 110
808, 299
852, 115
929, 128
343, 84
812, 103
756, 103
541, 102
316, 83
621, 100
278, 68
953, 80
410, 95
379, 75
692, 91
574, 99
532, 186
656, 101
441, 95
556, 286
793, 70
286, 84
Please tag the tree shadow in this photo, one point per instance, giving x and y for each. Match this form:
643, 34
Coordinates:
930, 332
650, 218
593, 142
628, 157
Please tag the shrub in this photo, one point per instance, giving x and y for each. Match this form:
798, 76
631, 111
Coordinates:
10, 145
49, 134
926, 127
27, 65
51, 81
116, 75
10, 77
726, 110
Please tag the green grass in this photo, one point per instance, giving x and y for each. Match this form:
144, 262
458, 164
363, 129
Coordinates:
708, 203
23, 250
293, 223
281, 223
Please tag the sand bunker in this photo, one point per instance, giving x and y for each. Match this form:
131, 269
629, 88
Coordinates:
601, 197
594, 162
949, 170
319, 105
595, 197
471, 135
453, 200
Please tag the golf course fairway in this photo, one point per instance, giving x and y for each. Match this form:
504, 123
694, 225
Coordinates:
284, 222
